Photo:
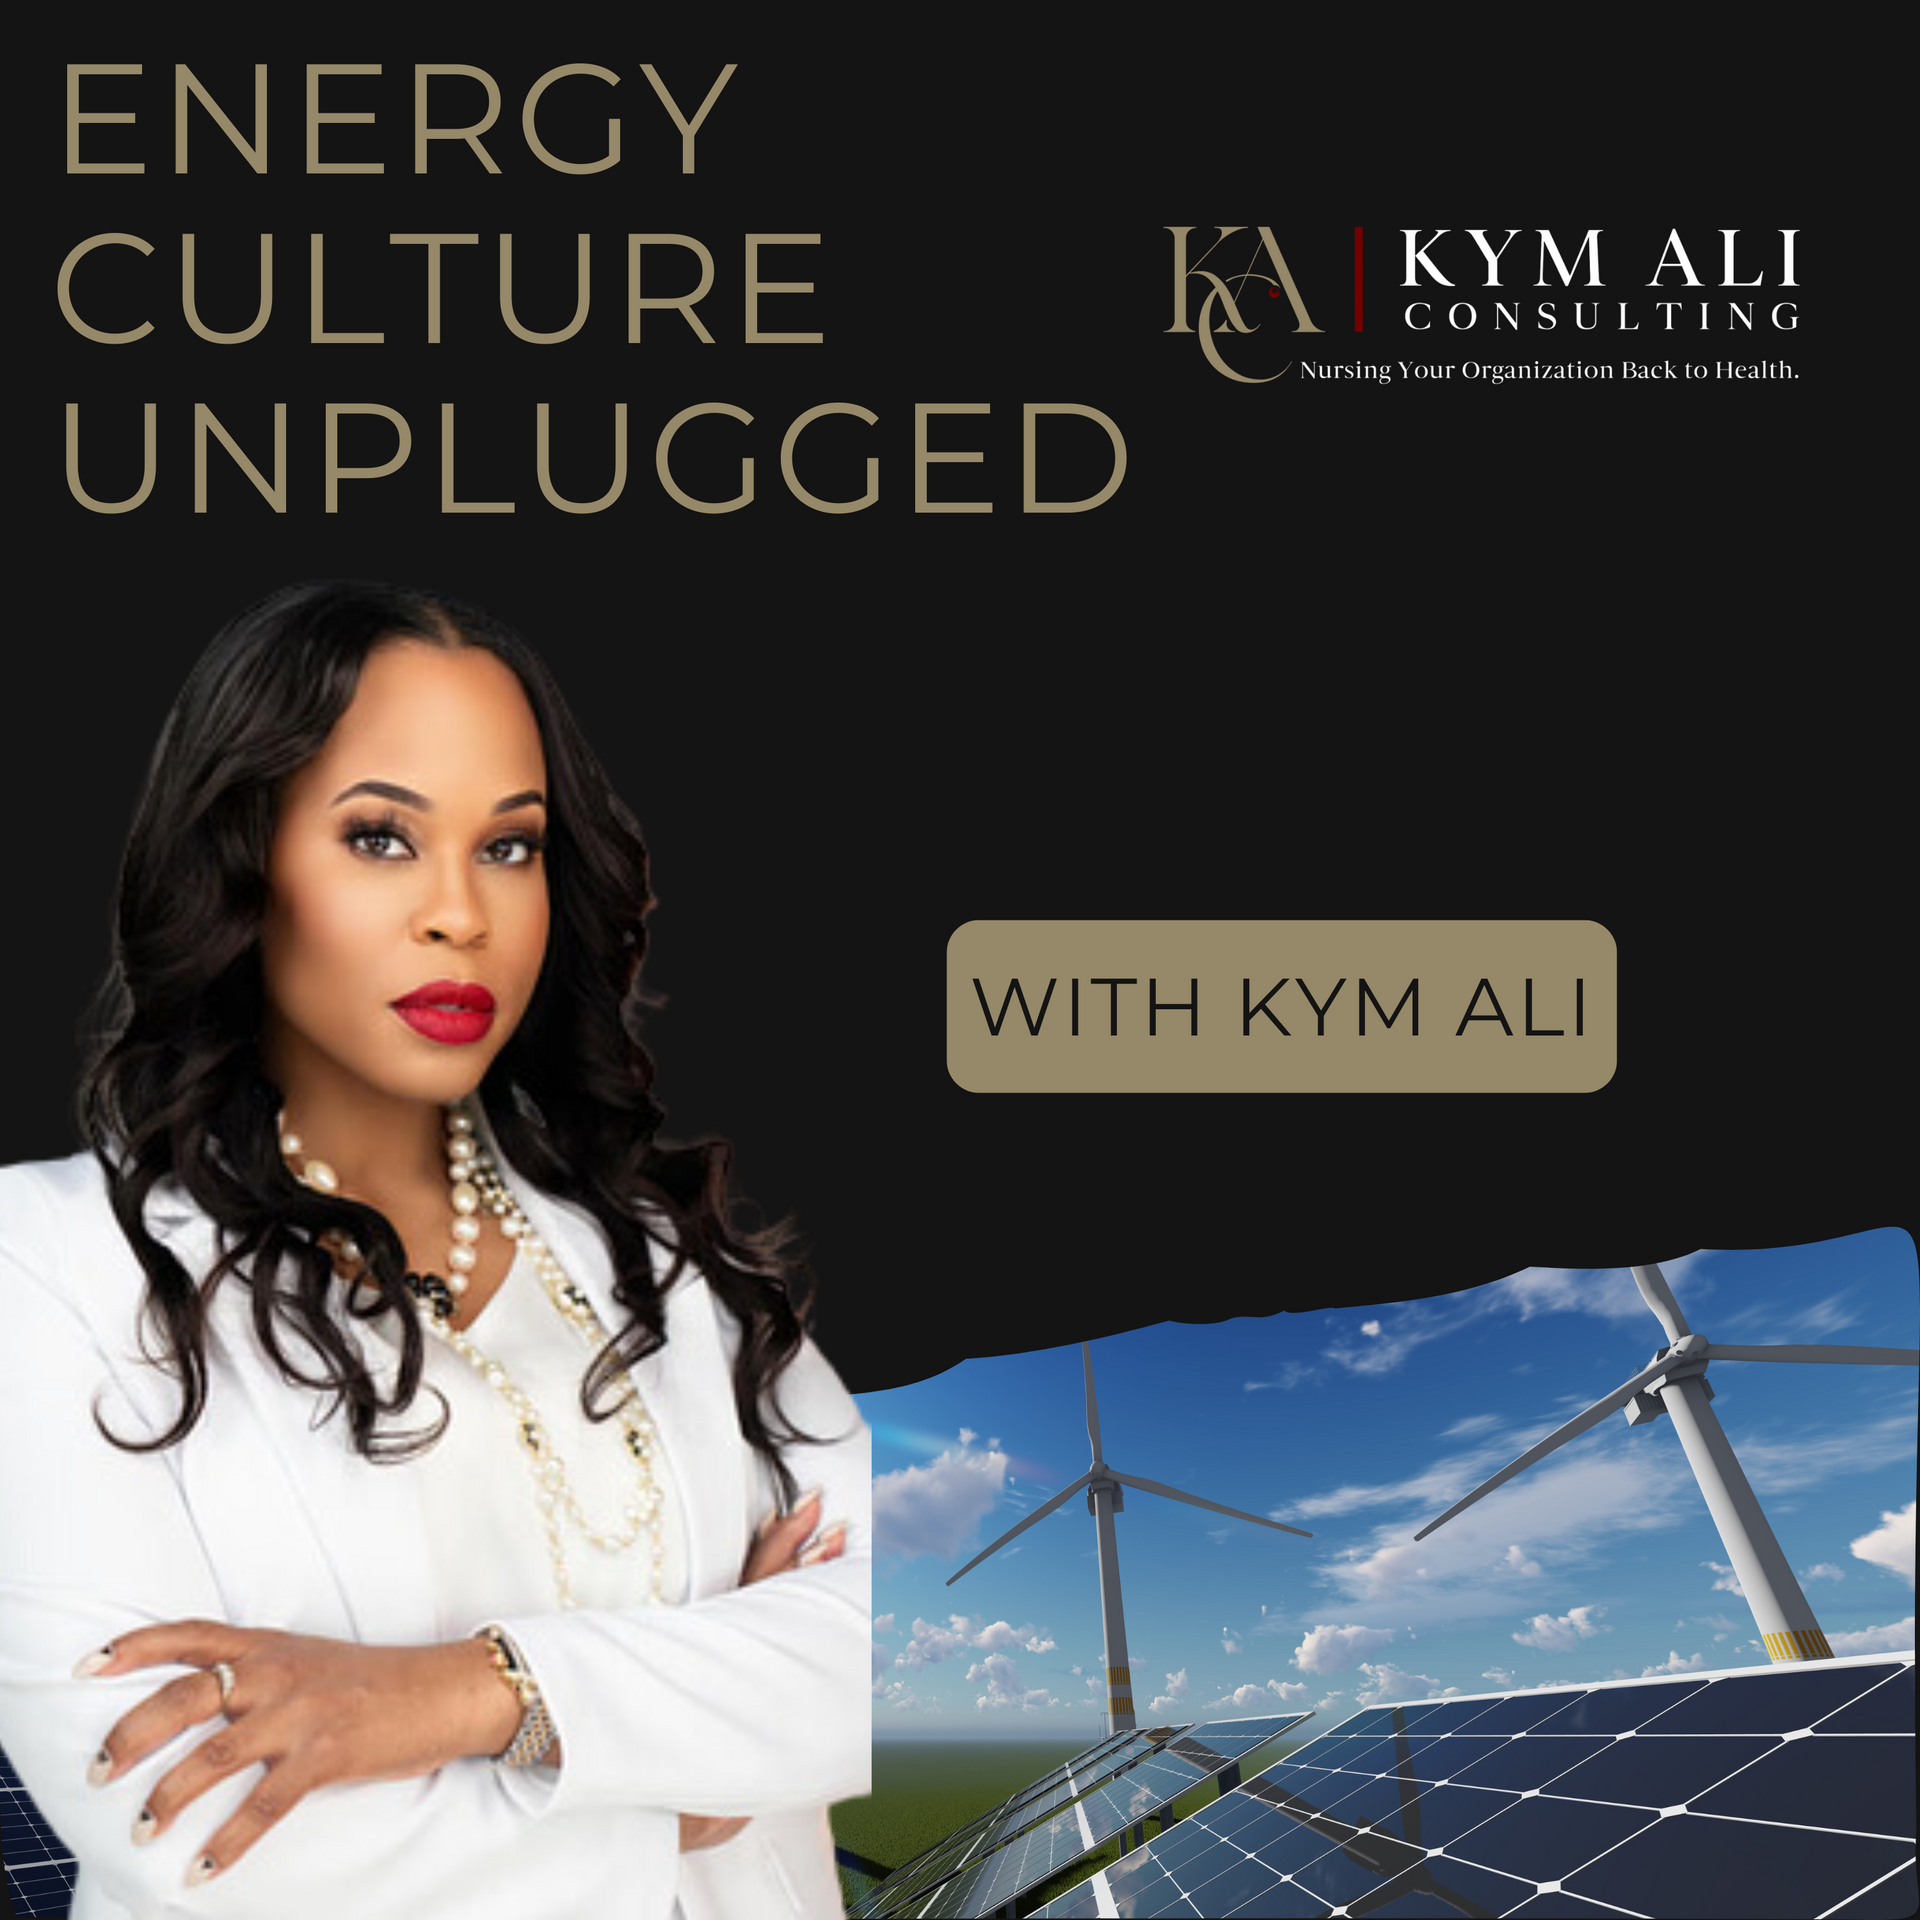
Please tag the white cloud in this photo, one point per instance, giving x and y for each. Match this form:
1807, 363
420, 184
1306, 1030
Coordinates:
1229, 1644
1717, 1621
1825, 1570
1608, 1293
930, 1643
1218, 1534
1252, 1696
1247, 1696
1725, 1580
999, 1636
1809, 1457
1288, 1376
900, 1697
1387, 1343
1472, 1424
1433, 1488
1890, 1544
1894, 1639
1823, 1317
1388, 1682
1499, 1676
1335, 1649
1517, 1562
883, 1623
1674, 1664
1004, 1687
1814, 1321
1565, 1633
1175, 1693
1569, 1507
933, 1509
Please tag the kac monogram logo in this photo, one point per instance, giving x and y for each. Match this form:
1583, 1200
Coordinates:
1219, 294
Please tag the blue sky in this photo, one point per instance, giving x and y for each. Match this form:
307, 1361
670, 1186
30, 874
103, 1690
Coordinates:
1362, 1425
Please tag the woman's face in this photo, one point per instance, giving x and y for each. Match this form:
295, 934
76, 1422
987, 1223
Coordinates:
407, 911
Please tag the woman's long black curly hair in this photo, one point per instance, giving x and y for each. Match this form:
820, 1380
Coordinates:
177, 1091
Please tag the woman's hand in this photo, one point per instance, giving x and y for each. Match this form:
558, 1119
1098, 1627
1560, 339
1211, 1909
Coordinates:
313, 1712
699, 1831
788, 1541
318, 1712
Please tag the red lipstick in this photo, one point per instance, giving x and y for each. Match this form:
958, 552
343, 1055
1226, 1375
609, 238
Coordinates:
454, 1012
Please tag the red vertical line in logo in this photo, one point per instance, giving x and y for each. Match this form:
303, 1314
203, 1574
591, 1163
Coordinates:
1356, 279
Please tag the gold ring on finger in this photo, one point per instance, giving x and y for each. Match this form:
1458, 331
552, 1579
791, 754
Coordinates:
222, 1672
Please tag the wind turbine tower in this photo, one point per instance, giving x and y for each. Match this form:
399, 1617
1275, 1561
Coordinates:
1105, 1498
1675, 1381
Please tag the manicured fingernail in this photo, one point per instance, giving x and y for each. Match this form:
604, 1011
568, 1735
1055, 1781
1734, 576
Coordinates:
100, 1769
95, 1662
832, 1537
202, 1870
145, 1826
811, 1498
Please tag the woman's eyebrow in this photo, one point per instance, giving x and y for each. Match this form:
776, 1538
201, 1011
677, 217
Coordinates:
406, 797
385, 790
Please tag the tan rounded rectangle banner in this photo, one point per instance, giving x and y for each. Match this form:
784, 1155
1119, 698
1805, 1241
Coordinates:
1282, 1006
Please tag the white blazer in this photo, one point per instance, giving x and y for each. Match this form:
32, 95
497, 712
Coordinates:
737, 1701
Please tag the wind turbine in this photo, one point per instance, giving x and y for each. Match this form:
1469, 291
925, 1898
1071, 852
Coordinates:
1104, 1499
1674, 1381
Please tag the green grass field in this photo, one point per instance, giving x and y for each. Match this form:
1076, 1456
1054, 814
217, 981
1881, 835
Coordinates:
924, 1789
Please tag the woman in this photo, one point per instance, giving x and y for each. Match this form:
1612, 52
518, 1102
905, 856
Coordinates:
400, 1453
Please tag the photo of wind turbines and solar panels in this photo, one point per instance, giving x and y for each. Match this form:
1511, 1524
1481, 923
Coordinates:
1560, 1478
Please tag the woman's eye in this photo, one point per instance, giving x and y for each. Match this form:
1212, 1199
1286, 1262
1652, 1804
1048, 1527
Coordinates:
511, 850
378, 843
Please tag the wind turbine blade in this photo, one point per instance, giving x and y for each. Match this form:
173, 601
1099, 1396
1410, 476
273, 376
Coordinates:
1039, 1513
1559, 1437
1659, 1296
1194, 1500
1837, 1356
1093, 1406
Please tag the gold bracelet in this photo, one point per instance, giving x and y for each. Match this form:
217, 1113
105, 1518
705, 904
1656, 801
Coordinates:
535, 1733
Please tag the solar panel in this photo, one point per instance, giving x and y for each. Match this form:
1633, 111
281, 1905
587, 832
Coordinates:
1030, 1852
39, 1868
1074, 1777
986, 1830
1752, 1792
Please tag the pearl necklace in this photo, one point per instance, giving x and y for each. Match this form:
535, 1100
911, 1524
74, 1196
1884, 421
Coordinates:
474, 1185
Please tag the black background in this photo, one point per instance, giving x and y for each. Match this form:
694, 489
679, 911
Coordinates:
1602, 651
